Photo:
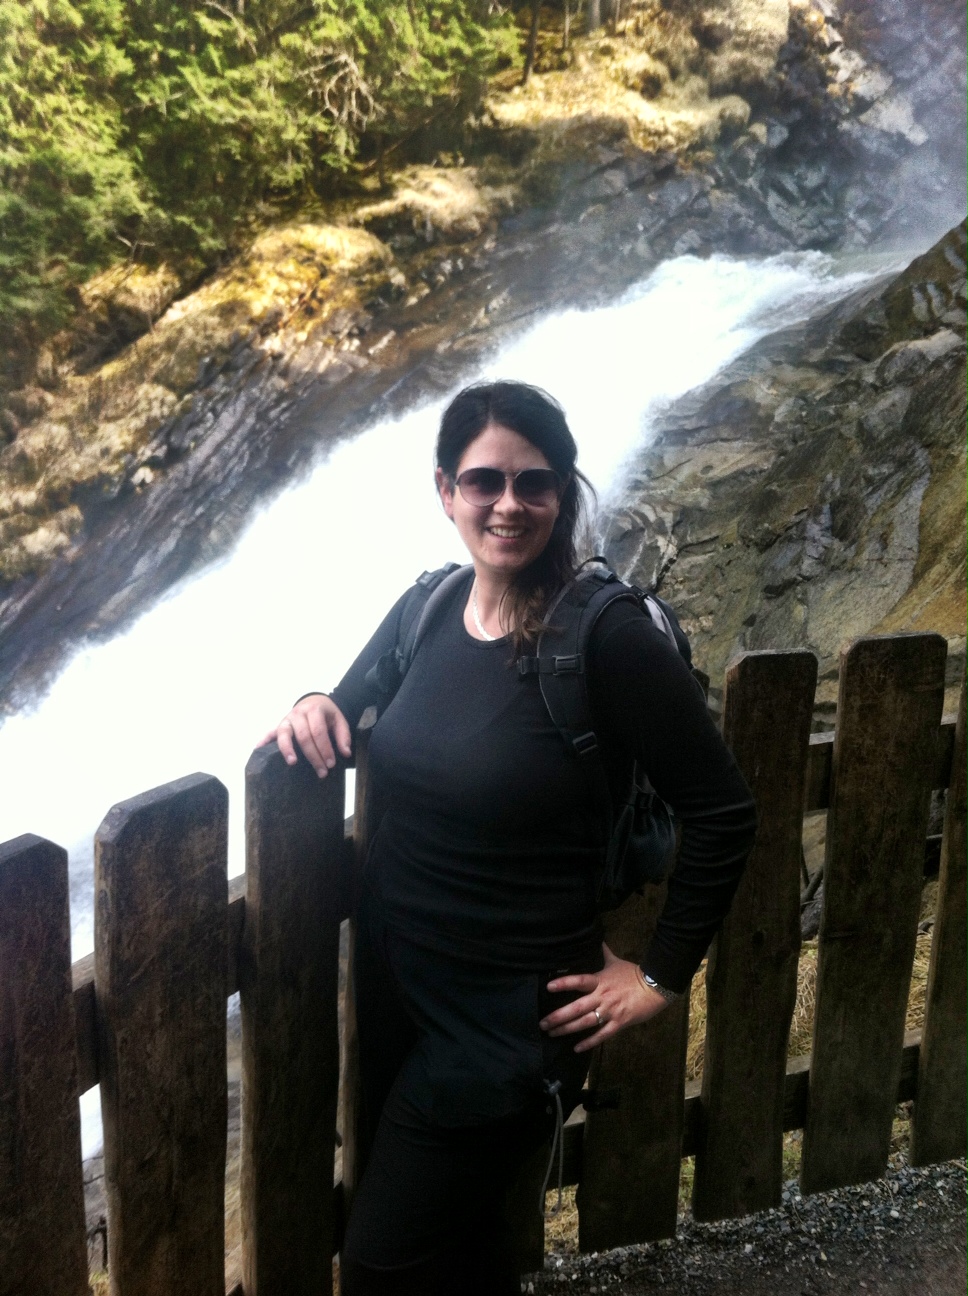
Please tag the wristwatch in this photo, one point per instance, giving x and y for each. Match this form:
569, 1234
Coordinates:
670, 996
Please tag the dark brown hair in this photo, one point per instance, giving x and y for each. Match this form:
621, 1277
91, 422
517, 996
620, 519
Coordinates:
537, 417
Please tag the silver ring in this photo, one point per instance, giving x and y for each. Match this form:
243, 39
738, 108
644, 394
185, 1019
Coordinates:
598, 1016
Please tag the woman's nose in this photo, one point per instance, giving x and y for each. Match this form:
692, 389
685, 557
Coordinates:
507, 500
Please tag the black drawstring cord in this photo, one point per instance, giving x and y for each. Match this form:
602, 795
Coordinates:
553, 1089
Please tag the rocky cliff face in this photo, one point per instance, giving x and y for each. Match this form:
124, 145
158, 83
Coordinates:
815, 490
138, 454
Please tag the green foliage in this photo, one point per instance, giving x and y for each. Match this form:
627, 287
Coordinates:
151, 127
67, 184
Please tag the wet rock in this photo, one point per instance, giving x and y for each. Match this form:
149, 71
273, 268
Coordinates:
829, 479
776, 134
870, 84
691, 241
895, 115
908, 361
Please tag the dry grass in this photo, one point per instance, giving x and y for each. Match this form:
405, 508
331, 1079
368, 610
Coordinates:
670, 76
695, 1048
561, 1233
448, 203
598, 97
801, 1027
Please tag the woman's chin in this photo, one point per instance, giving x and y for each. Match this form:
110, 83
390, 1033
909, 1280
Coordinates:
506, 564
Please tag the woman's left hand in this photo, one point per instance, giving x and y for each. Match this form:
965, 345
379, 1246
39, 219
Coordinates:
611, 999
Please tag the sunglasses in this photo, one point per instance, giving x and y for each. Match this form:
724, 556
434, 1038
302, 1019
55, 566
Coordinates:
539, 487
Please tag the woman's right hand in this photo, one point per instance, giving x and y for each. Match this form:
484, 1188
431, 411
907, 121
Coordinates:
317, 724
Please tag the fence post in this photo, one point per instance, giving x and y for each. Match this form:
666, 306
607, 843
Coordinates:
751, 978
160, 959
632, 1151
938, 1128
888, 711
42, 1238
290, 1045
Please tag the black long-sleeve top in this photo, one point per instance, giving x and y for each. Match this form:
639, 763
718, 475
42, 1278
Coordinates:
491, 840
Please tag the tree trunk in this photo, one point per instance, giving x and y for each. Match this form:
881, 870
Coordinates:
564, 43
532, 41
381, 169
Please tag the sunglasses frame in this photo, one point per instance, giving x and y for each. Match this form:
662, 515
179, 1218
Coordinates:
512, 478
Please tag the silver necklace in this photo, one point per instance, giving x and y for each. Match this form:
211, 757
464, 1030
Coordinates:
477, 616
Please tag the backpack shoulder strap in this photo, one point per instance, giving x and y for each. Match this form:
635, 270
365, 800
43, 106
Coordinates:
561, 656
560, 662
430, 593
560, 659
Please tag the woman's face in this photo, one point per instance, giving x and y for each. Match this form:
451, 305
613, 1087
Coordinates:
504, 537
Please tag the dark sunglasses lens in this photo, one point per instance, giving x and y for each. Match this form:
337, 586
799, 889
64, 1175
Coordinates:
481, 486
536, 486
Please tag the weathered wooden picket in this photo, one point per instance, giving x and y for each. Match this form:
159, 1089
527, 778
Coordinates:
145, 1016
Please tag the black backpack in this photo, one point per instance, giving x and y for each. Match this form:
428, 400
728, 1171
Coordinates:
640, 832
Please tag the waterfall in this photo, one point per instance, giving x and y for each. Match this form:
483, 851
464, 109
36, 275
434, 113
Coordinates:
200, 677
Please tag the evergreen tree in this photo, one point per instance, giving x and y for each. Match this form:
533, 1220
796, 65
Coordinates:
155, 125
68, 186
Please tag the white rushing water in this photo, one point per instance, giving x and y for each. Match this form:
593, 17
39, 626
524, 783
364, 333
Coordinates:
201, 676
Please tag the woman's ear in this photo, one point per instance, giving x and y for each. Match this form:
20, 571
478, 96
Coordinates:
446, 492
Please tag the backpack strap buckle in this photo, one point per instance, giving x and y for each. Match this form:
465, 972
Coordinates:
570, 664
585, 743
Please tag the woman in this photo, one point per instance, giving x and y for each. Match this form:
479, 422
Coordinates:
481, 978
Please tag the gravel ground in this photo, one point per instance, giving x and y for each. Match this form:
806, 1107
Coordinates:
903, 1235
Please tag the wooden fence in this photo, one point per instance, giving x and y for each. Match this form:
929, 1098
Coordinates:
145, 1016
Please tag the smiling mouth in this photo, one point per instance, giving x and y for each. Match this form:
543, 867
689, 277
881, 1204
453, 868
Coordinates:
506, 533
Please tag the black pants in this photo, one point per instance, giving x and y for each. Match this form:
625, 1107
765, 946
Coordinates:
453, 1072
